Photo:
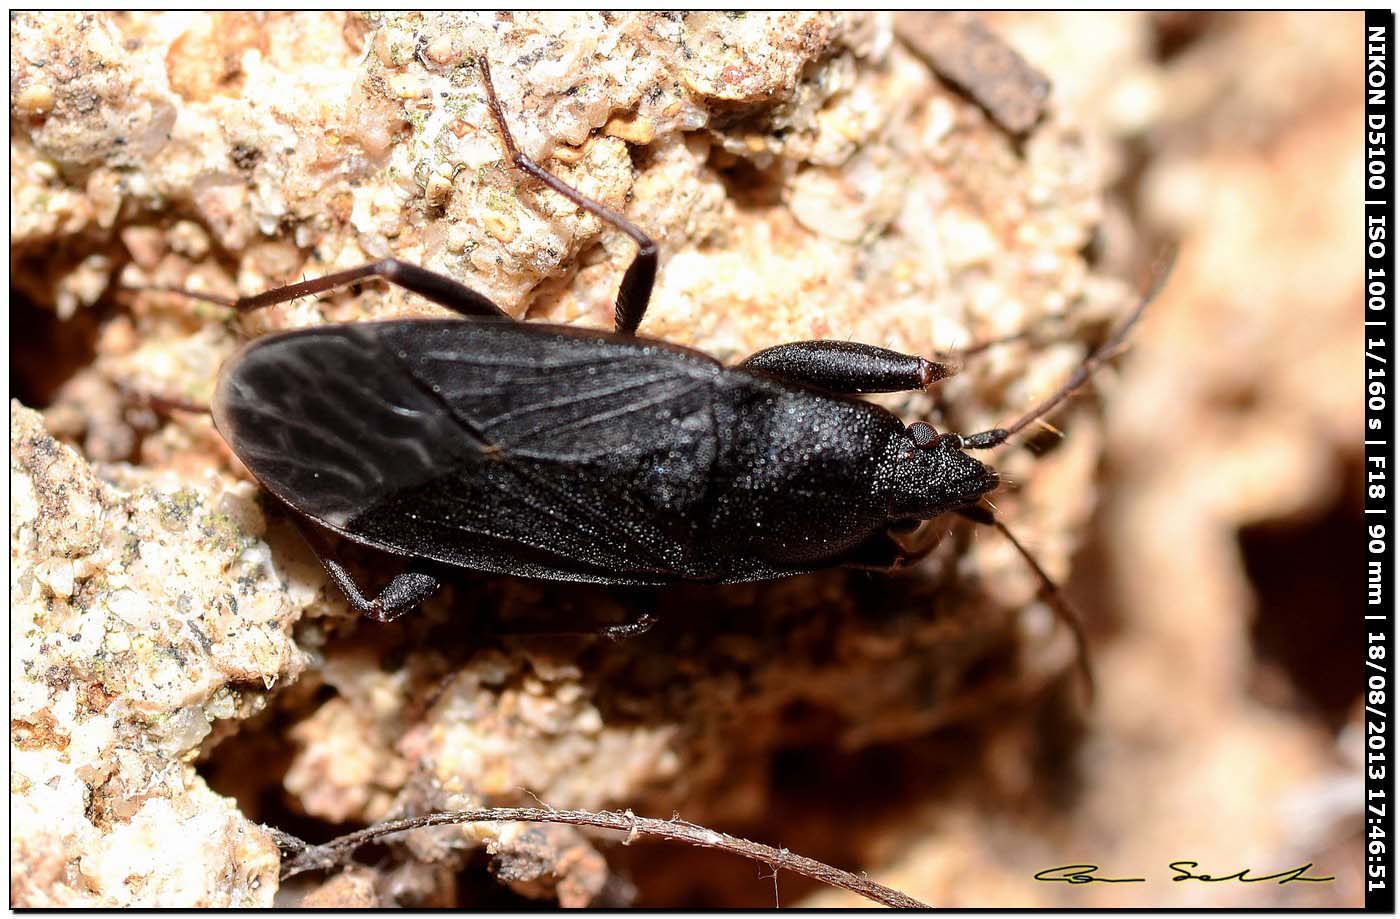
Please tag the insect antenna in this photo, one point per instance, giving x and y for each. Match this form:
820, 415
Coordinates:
1105, 352
1052, 594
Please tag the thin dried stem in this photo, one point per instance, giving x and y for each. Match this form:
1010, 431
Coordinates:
300, 856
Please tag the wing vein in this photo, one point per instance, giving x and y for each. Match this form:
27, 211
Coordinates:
598, 417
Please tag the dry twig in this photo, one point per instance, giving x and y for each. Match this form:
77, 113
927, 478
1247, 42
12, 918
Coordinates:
300, 856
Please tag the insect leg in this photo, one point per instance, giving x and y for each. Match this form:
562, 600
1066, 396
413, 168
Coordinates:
405, 592
1049, 590
438, 288
634, 293
162, 405
639, 623
635, 627
884, 552
847, 367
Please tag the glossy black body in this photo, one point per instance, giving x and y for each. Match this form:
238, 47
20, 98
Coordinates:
559, 453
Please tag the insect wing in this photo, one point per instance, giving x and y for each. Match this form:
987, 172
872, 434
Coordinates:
497, 446
330, 423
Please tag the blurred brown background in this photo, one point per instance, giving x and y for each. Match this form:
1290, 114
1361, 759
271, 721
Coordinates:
1225, 557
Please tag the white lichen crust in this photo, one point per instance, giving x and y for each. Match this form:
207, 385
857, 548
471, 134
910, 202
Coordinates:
140, 617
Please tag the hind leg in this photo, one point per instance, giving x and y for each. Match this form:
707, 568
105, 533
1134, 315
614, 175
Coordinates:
634, 293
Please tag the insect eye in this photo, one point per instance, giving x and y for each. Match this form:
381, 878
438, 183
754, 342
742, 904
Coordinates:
922, 434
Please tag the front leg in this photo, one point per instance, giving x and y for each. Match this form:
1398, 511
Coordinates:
1049, 590
847, 367
886, 551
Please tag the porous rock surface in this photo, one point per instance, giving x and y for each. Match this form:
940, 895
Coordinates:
142, 615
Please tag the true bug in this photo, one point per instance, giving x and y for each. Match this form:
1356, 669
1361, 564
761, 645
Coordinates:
568, 454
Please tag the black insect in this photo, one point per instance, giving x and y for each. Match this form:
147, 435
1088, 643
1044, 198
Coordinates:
552, 452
